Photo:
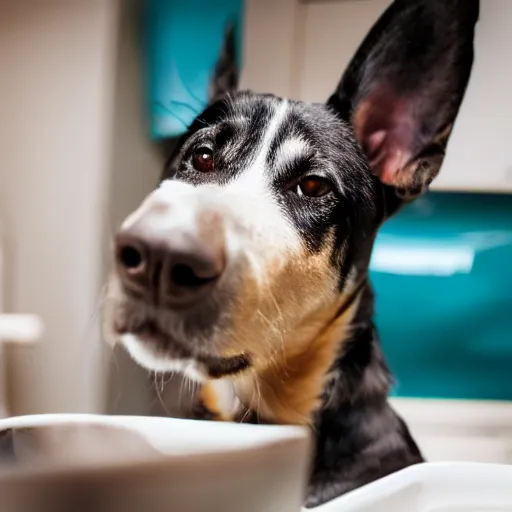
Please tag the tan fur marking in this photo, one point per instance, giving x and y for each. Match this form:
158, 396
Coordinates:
288, 390
269, 311
287, 326
208, 398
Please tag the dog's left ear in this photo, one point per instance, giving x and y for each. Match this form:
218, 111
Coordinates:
403, 89
226, 74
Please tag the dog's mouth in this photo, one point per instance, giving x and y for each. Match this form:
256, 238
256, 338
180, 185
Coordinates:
159, 351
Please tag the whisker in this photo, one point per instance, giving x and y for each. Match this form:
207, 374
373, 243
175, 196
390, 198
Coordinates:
117, 373
185, 105
159, 392
278, 334
280, 331
246, 414
180, 393
192, 95
258, 391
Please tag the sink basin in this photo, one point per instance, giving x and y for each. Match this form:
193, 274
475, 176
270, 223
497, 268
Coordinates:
433, 487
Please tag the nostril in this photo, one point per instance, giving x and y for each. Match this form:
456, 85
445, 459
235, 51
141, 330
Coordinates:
130, 257
184, 276
133, 264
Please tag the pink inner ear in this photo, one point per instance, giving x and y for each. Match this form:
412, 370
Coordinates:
385, 129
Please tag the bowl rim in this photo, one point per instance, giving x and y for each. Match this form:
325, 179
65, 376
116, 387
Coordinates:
290, 439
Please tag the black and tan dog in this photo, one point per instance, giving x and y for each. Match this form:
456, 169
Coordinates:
246, 269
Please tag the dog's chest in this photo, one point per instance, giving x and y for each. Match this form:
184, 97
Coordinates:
228, 400
219, 400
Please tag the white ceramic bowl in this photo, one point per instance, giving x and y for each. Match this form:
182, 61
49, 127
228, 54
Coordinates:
203, 466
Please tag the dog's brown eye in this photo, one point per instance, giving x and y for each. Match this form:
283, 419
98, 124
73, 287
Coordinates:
313, 186
203, 160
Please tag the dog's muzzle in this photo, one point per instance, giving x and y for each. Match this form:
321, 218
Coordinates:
192, 268
171, 255
177, 265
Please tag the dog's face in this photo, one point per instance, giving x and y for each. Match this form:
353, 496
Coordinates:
263, 223
278, 196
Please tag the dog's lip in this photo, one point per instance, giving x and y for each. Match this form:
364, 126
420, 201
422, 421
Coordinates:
219, 367
216, 366
149, 332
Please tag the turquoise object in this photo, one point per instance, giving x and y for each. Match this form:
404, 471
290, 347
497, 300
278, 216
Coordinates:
184, 40
442, 273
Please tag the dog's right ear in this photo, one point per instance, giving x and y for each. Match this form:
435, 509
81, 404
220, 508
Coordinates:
403, 89
226, 74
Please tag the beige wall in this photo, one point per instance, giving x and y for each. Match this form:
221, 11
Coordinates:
135, 168
55, 102
76, 159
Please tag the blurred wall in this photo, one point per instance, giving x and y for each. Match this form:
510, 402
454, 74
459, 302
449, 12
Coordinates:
57, 62
136, 164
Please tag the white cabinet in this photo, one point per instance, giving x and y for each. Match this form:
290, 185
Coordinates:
333, 30
307, 45
479, 155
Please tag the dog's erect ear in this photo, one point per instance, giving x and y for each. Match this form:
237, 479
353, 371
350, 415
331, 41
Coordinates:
226, 73
403, 89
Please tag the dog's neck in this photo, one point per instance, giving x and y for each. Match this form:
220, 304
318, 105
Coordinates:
290, 388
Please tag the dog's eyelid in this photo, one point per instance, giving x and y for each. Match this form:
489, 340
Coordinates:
297, 167
302, 166
204, 145
223, 133
204, 135
197, 144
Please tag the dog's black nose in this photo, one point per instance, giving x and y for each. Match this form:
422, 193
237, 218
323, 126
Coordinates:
176, 270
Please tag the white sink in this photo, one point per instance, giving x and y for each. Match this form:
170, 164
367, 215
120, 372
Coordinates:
433, 487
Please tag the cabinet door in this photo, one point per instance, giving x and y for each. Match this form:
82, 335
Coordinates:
332, 32
479, 156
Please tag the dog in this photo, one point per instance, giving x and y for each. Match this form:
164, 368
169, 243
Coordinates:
246, 269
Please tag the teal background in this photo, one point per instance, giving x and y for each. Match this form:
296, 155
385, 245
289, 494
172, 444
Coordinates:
184, 39
442, 272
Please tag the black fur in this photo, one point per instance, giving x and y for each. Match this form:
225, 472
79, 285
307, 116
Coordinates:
405, 86
359, 437
422, 48
354, 207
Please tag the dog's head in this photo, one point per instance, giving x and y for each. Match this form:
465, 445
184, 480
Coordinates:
263, 223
